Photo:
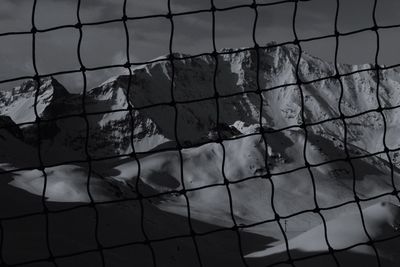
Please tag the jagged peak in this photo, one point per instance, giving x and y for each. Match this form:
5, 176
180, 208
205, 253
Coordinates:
238, 54
46, 83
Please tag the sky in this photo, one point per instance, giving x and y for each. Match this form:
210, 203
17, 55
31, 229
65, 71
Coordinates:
149, 37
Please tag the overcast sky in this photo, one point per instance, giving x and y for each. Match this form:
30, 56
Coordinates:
105, 44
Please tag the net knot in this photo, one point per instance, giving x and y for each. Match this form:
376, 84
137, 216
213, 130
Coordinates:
317, 210
374, 28
307, 164
182, 192
226, 181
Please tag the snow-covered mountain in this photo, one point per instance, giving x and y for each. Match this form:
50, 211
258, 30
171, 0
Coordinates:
153, 118
138, 111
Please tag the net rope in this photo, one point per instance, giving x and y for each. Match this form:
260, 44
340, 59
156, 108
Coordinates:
217, 97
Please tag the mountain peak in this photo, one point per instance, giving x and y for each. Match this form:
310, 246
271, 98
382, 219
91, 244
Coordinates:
57, 87
45, 84
20, 102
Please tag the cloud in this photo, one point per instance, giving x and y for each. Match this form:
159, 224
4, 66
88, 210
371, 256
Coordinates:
149, 38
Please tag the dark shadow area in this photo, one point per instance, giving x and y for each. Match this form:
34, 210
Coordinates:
118, 228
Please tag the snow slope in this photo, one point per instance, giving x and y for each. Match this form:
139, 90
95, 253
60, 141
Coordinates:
244, 158
381, 221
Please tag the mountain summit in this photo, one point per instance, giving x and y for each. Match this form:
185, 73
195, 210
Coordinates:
19, 102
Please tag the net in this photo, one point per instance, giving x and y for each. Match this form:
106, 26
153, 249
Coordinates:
149, 243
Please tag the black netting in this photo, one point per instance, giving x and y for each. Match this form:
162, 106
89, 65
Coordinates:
150, 243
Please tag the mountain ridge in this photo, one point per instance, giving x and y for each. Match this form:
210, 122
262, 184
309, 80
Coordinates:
193, 89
